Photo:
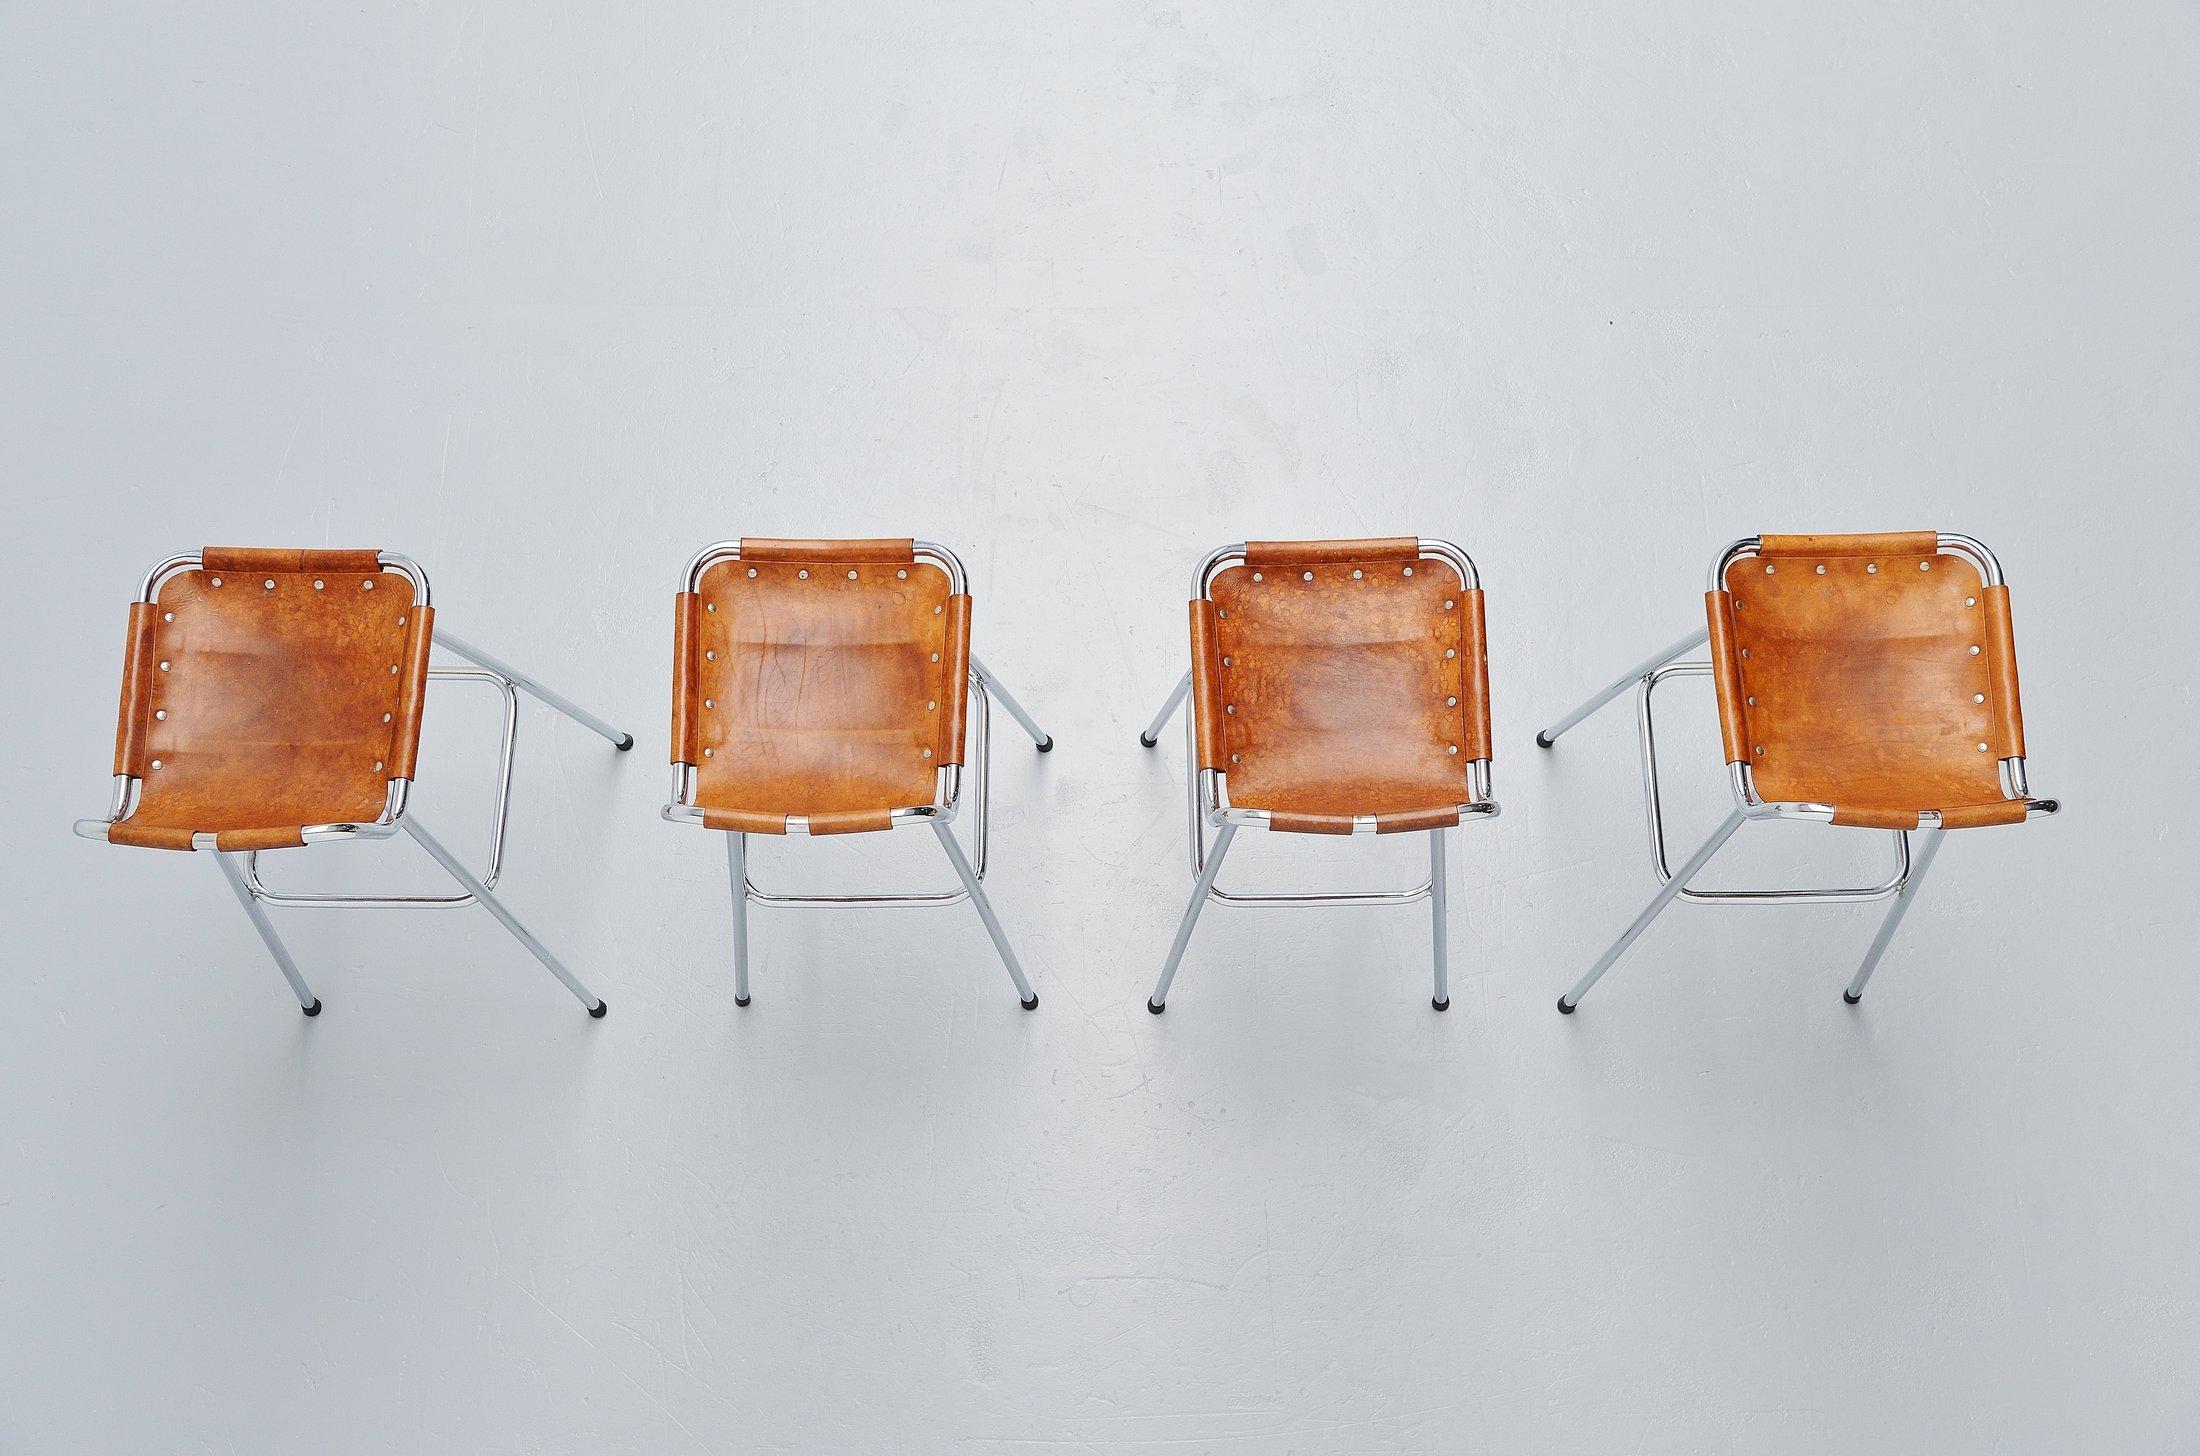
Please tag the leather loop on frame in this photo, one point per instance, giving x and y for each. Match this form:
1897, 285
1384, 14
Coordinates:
2001, 650
687, 729
1330, 553
412, 693
1880, 543
137, 691
955, 716
1726, 676
873, 552
1206, 683
289, 562
1474, 697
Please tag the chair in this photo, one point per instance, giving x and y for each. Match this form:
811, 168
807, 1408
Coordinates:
1868, 681
823, 687
272, 700
1338, 687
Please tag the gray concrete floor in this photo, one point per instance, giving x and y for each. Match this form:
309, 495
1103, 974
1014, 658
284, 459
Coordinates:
548, 297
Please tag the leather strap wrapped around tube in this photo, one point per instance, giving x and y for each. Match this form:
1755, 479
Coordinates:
1206, 675
957, 686
1330, 553
135, 712
1879, 543
412, 694
687, 730
1474, 700
1726, 676
2001, 646
279, 561
873, 552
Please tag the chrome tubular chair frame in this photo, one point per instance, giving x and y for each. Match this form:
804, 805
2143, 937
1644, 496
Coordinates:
1207, 796
241, 869
1911, 862
939, 815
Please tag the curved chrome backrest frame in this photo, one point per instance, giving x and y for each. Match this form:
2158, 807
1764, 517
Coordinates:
126, 786
1743, 783
1211, 787
681, 808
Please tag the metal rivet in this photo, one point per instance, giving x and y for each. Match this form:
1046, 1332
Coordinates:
1227, 661
1760, 753
804, 573
1978, 697
269, 584
710, 606
164, 667
1306, 576
1974, 650
385, 717
1751, 701
1821, 568
1452, 748
160, 713
393, 669
1357, 573
1450, 652
400, 621
1230, 708
1768, 568
1409, 571
935, 657
318, 584
851, 576
1745, 652
156, 763
1970, 601
1872, 567
1924, 566
903, 574
710, 702
378, 765
1219, 612
1982, 748
932, 705
1451, 702
168, 616
752, 571
1256, 576
1233, 759
1449, 605
367, 585
937, 610
927, 753
708, 752
710, 657
217, 581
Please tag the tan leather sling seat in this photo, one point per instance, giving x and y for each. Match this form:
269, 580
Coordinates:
265, 691
823, 687
272, 699
1867, 681
1341, 680
1875, 674
827, 680
1338, 687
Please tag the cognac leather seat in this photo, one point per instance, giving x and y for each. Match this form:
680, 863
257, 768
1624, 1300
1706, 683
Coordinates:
266, 691
822, 679
1336, 680
1875, 674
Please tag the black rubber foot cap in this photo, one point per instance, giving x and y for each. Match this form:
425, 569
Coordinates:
1443, 1005
314, 1009
1033, 1003
596, 1011
1048, 746
1145, 742
627, 743
740, 1000
1156, 1007
1563, 1008
1852, 1000
1541, 741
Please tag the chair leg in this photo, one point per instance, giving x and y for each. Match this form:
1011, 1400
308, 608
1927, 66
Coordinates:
1158, 1002
458, 871
309, 1003
1549, 736
619, 740
1665, 896
1439, 919
1152, 735
1901, 907
737, 869
1040, 738
1024, 993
